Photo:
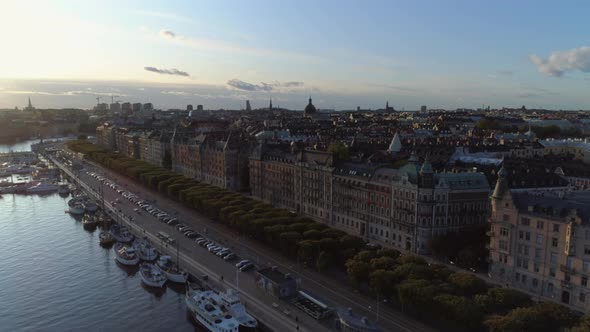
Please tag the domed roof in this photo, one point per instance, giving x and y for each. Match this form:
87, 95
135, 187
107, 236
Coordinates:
310, 109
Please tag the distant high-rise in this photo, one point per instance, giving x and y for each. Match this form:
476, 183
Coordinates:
423, 108
199, 107
115, 107
248, 107
137, 107
148, 107
270, 105
189, 107
126, 107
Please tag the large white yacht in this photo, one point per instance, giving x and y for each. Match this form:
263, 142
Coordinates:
146, 251
151, 275
125, 254
172, 270
219, 312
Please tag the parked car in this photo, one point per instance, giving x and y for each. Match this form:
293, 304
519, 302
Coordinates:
229, 256
246, 267
242, 263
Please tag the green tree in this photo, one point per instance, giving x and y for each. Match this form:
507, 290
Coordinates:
502, 300
383, 263
467, 284
358, 271
459, 310
339, 151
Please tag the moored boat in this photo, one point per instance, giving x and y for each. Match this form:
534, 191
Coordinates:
106, 238
90, 206
89, 221
75, 207
151, 275
219, 312
121, 234
64, 189
172, 270
41, 188
125, 254
146, 250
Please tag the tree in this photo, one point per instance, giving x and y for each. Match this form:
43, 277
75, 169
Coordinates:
502, 300
382, 283
467, 284
383, 263
358, 271
583, 326
459, 310
543, 317
417, 293
324, 260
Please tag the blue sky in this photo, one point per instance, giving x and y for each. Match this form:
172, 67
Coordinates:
344, 53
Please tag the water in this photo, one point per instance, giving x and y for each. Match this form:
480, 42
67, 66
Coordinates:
54, 276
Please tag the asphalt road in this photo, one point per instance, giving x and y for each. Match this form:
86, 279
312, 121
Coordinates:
332, 292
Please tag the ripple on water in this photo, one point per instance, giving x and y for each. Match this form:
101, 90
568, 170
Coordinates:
54, 276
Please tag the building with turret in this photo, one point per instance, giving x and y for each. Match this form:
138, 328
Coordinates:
540, 243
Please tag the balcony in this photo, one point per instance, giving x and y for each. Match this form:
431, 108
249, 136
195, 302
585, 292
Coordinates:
566, 269
490, 233
566, 284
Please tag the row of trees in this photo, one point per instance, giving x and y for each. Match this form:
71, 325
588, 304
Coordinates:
313, 244
459, 300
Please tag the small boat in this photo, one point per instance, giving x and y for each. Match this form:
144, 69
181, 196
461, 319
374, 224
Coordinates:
89, 221
125, 254
151, 275
171, 270
64, 189
146, 251
90, 206
41, 188
121, 234
106, 238
75, 207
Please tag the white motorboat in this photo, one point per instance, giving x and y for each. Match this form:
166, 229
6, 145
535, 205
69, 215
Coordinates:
106, 238
172, 270
121, 234
42, 188
219, 312
125, 254
64, 189
146, 251
151, 275
90, 206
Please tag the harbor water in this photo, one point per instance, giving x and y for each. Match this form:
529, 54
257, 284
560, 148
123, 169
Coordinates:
55, 276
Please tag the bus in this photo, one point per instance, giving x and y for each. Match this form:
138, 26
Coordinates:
165, 237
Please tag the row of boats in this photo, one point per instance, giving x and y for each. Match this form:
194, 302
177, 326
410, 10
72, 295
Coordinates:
80, 205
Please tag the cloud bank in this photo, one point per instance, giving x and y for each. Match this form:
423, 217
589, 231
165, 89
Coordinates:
265, 87
561, 62
172, 71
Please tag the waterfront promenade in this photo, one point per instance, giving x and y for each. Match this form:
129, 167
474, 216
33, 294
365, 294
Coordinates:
331, 291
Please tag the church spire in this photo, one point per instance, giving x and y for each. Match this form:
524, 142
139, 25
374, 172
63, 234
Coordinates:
270, 105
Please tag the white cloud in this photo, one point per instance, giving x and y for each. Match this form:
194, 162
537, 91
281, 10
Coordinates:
28, 92
563, 61
176, 93
164, 15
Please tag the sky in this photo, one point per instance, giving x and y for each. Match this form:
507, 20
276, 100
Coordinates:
344, 54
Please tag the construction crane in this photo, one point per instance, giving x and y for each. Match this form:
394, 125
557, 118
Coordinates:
113, 99
97, 100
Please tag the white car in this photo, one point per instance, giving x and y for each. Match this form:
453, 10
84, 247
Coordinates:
242, 263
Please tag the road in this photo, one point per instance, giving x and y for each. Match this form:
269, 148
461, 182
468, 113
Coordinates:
334, 293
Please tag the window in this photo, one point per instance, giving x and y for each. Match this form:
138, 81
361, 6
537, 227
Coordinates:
535, 282
504, 231
586, 266
527, 236
582, 297
506, 217
552, 272
556, 228
538, 252
540, 224
584, 281
520, 235
586, 250
550, 287
503, 245
540, 239
536, 267
525, 221
554, 242
553, 258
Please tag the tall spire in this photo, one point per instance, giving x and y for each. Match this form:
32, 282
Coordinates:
387, 105
396, 144
270, 105
501, 184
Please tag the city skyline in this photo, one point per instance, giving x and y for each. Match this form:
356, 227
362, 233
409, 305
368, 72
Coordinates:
344, 54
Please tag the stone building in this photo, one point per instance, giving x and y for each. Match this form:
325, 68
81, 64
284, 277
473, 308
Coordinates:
540, 243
